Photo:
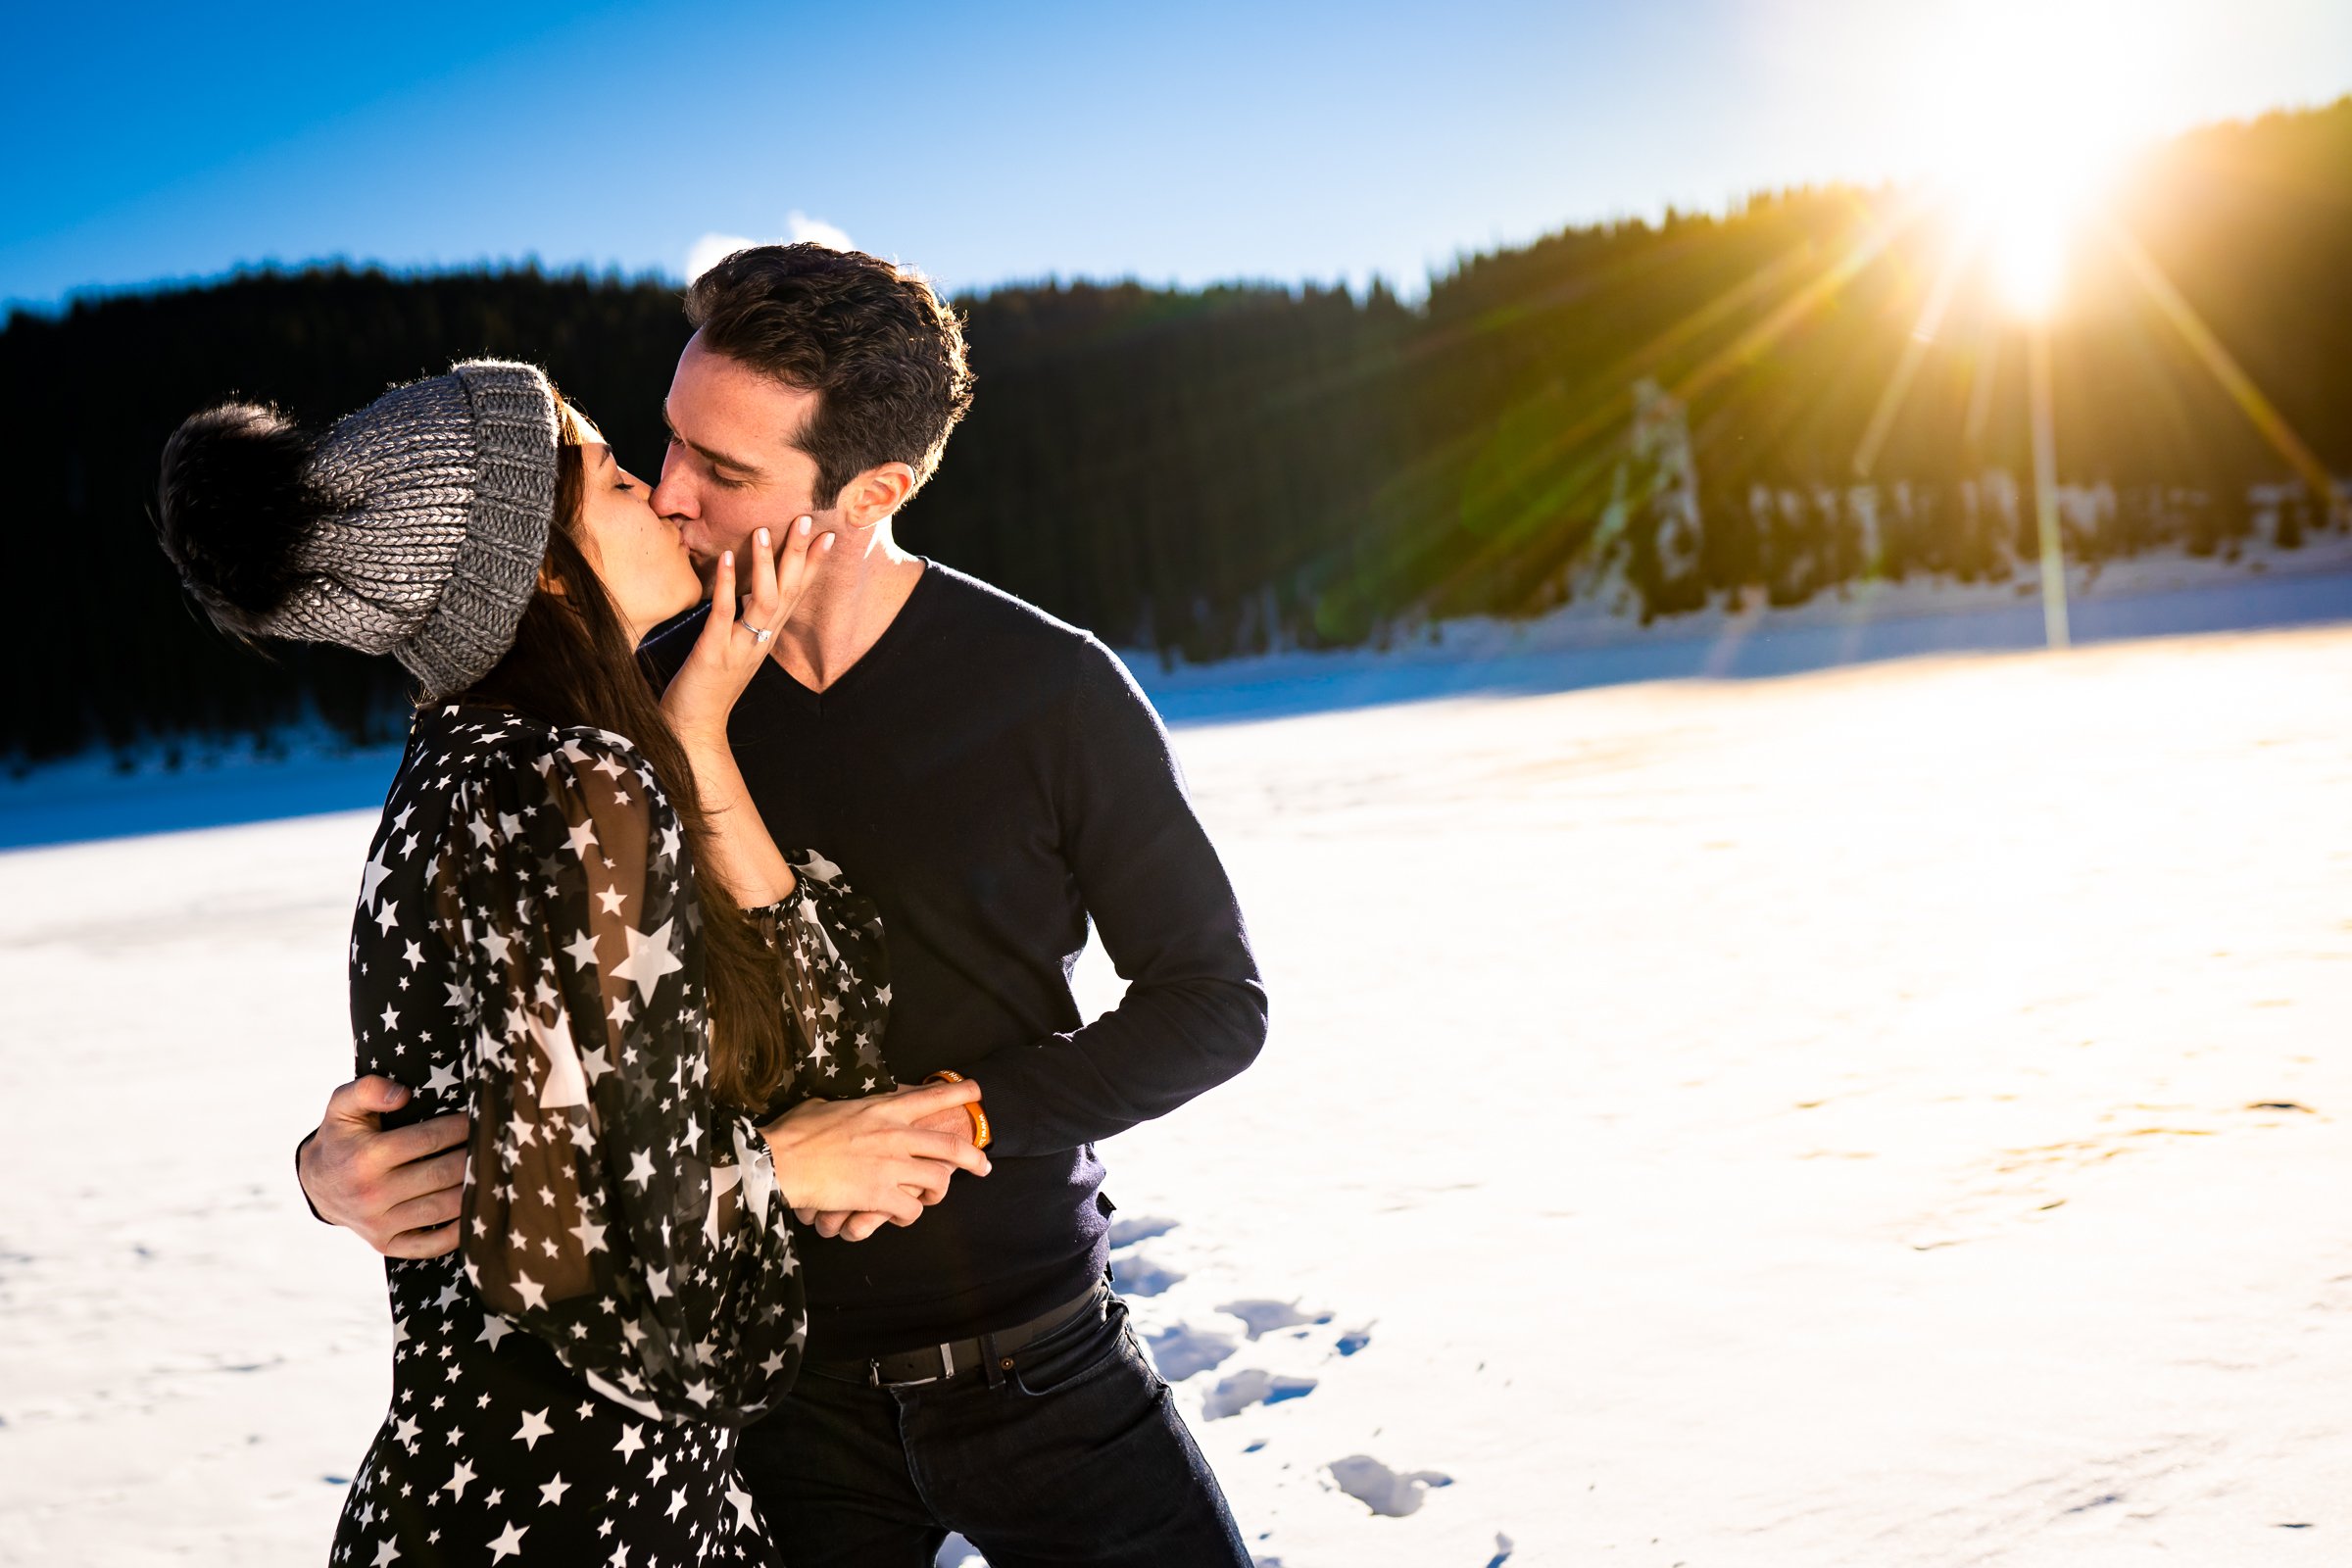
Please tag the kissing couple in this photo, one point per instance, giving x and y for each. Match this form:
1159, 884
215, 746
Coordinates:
723, 1110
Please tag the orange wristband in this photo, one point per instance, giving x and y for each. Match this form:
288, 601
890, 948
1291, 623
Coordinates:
979, 1116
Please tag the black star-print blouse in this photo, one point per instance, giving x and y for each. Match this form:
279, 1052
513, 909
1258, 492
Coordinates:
528, 947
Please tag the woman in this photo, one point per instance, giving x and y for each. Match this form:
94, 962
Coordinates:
572, 925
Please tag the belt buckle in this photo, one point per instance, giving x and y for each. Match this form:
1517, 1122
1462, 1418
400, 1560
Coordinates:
946, 1361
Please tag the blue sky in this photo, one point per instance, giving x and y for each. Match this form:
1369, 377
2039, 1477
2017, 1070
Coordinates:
1001, 142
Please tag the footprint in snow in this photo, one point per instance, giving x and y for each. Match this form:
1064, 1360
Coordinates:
1238, 1393
1389, 1492
1140, 1275
1184, 1351
1128, 1232
1264, 1317
1503, 1551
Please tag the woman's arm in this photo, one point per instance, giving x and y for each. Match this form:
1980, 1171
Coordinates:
730, 650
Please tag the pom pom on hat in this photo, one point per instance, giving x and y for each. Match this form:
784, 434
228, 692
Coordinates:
235, 505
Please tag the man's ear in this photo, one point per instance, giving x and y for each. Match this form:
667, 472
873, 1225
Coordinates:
876, 494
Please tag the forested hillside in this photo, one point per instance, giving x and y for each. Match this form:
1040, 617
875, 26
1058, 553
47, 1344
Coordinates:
1660, 413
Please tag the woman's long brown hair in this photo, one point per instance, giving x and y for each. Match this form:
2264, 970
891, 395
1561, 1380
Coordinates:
573, 664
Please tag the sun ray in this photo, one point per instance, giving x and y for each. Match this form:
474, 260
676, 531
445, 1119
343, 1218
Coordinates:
2041, 394
1744, 349
2258, 408
1923, 334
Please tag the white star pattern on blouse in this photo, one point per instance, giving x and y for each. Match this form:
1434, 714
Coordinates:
649, 959
581, 950
371, 878
566, 1084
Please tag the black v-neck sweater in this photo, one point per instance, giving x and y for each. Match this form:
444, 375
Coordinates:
991, 777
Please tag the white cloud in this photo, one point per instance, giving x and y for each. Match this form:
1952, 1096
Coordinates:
713, 248
801, 226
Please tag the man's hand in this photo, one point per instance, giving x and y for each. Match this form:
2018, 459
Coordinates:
398, 1189
855, 1225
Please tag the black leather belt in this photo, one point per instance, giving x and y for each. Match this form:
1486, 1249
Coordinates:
995, 1354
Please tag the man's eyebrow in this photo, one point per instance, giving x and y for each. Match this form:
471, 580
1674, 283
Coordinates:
716, 458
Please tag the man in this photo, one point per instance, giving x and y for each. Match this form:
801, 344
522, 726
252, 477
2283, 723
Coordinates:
993, 779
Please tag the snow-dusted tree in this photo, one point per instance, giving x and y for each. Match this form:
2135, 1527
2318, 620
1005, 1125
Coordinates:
1653, 525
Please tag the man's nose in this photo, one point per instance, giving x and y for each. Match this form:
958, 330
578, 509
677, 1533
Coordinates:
672, 496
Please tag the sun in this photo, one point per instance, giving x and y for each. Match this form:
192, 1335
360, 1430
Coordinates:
2030, 109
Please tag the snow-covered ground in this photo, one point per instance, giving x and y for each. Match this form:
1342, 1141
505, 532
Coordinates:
1894, 1115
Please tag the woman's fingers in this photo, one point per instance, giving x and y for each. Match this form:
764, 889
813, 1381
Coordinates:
721, 624
849, 1224
948, 1148
772, 580
760, 610
910, 1105
794, 564
925, 1180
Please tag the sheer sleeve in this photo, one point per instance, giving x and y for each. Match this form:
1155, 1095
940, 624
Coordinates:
613, 1208
836, 981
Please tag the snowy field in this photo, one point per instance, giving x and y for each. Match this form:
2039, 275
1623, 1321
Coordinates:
1886, 1116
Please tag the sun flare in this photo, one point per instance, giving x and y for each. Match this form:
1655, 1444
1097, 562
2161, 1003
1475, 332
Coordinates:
2030, 108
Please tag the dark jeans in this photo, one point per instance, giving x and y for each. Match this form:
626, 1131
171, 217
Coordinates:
1077, 1456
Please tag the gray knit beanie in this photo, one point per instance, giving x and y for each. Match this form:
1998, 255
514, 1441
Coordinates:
445, 489
415, 527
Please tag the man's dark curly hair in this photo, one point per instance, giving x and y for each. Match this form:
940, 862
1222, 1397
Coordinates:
881, 350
